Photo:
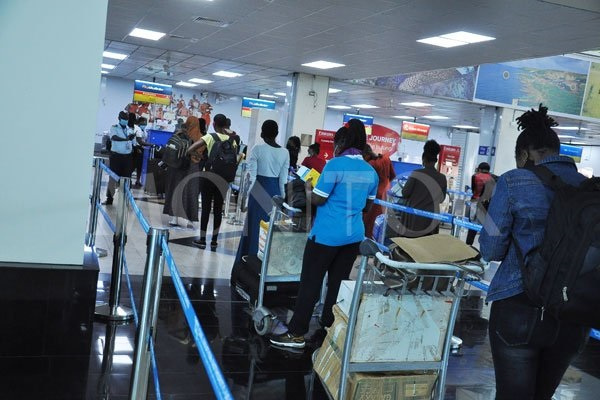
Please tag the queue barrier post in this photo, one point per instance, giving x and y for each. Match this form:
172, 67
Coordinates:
90, 235
237, 218
146, 330
113, 311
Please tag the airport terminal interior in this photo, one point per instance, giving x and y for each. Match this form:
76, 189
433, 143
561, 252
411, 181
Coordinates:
125, 298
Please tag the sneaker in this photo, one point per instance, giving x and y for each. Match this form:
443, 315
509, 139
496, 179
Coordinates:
288, 340
200, 243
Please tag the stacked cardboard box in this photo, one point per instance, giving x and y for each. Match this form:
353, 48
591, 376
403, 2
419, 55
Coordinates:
366, 386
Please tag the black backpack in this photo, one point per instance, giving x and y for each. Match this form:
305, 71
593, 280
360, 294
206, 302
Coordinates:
175, 151
562, 275
222, 159
295, 193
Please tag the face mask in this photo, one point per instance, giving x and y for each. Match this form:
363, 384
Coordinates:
123, 122
143, 127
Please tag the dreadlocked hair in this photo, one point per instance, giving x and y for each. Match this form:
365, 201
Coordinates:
536, 131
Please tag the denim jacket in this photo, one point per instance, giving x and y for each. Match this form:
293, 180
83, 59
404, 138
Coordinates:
518, 212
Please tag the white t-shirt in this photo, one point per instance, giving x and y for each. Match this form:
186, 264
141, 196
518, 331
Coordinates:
269, 161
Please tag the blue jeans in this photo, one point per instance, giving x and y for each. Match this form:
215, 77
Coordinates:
530, 354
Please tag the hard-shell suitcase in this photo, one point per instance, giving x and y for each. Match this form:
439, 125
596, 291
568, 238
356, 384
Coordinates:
155, 178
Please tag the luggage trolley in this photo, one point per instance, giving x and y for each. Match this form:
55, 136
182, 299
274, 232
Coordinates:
288, 227
405, 279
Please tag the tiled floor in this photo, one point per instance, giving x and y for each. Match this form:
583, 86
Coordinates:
253, 369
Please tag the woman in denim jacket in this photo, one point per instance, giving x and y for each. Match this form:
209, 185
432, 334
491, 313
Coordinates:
531, 351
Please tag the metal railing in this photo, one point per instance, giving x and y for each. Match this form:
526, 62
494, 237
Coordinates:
158, 253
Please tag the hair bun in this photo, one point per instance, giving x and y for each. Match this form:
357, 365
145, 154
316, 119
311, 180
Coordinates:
432, 148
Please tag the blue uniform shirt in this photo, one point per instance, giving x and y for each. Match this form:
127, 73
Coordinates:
346, 182
121, 147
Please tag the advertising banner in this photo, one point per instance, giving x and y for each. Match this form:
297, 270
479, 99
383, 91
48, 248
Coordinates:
325, 139
448, 160
150, 92
366, 119
383, 140
249, 103
414, 131
574, 152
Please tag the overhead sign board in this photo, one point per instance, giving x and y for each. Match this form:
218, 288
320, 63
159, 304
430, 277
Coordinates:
366, 119
414, 131
249, 103
151, 92
574, 152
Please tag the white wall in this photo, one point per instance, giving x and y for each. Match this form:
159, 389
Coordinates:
51, 54
591, 158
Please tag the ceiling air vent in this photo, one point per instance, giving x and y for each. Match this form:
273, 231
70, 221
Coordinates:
211, 22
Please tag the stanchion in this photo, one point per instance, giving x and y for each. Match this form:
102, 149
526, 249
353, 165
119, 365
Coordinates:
113, 311
90, 236
227, 203
138, 386
237, 218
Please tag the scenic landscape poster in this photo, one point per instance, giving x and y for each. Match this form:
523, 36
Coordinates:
591, 103
558, 82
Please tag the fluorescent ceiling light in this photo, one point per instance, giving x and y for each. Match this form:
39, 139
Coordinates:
569, 128
321, 64
185, 84
146, 34
201, 81
332, 90
568, 137
576, 143
465, 127
104, 72
280, 94
227, 74
467, 37
435, 117
340, 107
454, 39
107, 66
288, 83
402, 117
416, 104
367, 106
268, 96
116, 56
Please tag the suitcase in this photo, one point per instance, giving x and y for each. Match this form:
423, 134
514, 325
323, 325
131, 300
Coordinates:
245, 279
155, 178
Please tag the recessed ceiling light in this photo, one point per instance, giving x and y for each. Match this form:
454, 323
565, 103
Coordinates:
402, 117
416, 104
367, 106
568, 137
107, 66
435, 117
280, 94
104, 72
454, 39
146, 34
465, 127
340, 107
116, 56
576, 143
332, 90
569, 128
288, 83
321, 64
268, 96
227, 74
186, 84
201, 81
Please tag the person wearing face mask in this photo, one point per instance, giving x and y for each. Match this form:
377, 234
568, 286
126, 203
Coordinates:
313, 160
531, 350
139, 128
121, 158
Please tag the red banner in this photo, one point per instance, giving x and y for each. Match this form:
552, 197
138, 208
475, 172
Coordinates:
448, 161
383, 140
325, 139
414, 131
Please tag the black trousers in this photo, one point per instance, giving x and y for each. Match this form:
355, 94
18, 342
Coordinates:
530, 354
122, 165
138, 159
318, 259
212, 199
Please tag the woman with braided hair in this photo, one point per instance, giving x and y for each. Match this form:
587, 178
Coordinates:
531, 351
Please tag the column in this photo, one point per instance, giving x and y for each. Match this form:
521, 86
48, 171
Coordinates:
505, 141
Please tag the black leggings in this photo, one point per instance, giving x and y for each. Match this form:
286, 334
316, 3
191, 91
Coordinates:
318, 259
530, 354
212, 198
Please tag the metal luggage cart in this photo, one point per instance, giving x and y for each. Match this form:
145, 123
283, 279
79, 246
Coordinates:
289, 227
405, 279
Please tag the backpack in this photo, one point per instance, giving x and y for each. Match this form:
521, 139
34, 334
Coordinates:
222, 159
175, 151
562, 275
295, 193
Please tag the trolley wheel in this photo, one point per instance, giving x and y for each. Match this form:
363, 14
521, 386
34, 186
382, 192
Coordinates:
264, 325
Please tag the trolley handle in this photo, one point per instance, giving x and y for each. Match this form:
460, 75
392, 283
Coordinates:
476, 269
279, 202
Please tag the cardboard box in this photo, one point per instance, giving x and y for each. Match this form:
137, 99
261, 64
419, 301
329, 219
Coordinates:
396, 328
366, 386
